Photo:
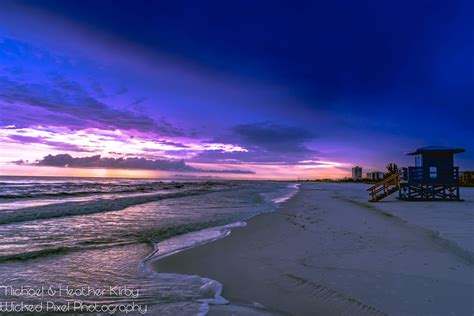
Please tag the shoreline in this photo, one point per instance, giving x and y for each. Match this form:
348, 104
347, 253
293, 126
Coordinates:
321, 253
224, 230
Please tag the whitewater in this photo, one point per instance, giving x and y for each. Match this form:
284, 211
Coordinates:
100, 233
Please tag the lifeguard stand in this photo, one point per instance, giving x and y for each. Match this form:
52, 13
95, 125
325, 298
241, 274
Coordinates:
434, 176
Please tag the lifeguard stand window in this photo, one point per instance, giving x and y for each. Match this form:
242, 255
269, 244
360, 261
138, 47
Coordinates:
418, 161
433, 172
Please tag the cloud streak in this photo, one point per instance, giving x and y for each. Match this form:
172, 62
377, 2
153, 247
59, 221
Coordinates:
96, 161
69, 98
41, 140
57, 100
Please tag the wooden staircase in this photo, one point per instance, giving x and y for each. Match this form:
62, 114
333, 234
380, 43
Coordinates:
385, 187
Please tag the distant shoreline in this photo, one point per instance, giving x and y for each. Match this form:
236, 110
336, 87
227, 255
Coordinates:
365, 181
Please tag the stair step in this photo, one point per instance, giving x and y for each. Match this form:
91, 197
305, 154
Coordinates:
385, 194
382, 189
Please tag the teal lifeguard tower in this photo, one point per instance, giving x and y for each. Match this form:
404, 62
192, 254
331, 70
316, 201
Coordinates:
433, 178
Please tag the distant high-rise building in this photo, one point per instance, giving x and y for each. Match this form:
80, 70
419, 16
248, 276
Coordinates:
376, 175
356, 173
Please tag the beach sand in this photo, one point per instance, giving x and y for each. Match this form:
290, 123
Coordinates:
325, 252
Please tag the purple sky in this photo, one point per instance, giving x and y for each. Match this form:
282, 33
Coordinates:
166, 97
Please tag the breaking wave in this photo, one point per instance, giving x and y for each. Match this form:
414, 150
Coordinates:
103, 241
97, 205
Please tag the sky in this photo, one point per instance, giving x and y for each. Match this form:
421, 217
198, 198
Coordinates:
232, 89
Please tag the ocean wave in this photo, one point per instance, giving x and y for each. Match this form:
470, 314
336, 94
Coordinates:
68, 194
179, 242
42, 191
187, 236
52, 251
96, 206
293, 189
115, 244
211, 289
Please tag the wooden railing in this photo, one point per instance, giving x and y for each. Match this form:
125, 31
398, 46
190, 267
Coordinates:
385, 187
420, 175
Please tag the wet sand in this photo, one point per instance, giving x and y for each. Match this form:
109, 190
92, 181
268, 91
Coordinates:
322, 253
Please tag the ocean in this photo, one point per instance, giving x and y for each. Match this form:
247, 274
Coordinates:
81, 245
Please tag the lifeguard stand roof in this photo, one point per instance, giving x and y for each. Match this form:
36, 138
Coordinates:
436, 149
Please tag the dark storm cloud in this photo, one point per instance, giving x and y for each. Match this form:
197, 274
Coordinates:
66, 160
273, 137
265, 142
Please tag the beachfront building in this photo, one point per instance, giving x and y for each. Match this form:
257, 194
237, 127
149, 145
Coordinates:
356, 173
467, 177
434, 176
375, 176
